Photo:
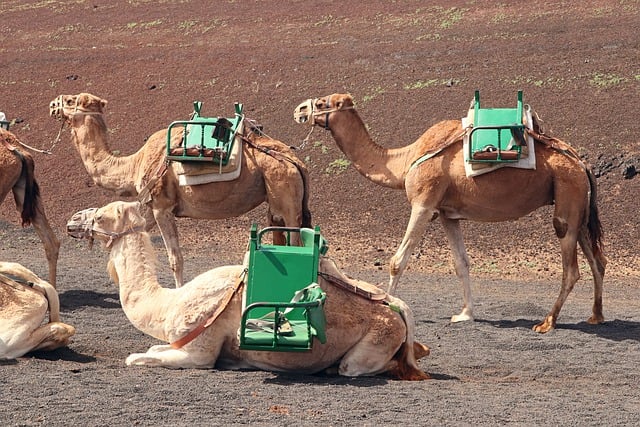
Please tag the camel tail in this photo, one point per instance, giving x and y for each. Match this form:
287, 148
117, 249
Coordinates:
407, 364
31, 189
593, 223
306, 212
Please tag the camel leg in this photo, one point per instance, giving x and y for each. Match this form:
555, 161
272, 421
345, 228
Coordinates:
43, 229
46, 337
169, 232
420, 217
597, 262
570, 274
53, 335
49, 239
164, 355
461, 263
369, 357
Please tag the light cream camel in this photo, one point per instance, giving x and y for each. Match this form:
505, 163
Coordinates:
17, 175
24, 301
270, 173
363, 337
439, 187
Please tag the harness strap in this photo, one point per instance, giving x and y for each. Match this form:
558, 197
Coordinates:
437, 150
229, 293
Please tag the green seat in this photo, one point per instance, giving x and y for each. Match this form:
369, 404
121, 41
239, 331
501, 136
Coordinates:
283, 305
497, 134
208, 139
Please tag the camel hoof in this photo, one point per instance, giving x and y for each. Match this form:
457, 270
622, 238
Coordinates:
420, 350
545, 326
465, 316
595, 320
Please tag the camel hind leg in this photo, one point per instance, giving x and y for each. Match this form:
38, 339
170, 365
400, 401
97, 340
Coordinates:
570, 273
597, 263
165, 356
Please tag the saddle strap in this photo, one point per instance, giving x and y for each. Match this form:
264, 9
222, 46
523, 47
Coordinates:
368, 295
229, 293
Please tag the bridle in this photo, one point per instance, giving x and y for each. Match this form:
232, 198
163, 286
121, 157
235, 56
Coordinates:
58, 110
309, 110
86, 219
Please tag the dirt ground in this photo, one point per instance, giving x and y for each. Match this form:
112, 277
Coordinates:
408, 64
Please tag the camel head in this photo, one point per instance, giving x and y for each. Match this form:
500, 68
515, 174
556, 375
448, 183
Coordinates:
107, 223
317, 110
65, 107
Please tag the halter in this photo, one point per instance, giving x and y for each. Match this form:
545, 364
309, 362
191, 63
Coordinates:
58, 110
86, 219
308, 109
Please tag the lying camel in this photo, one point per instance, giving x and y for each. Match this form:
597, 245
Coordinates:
363, 337
24, 302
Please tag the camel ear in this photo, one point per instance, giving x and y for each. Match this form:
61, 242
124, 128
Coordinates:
103, 104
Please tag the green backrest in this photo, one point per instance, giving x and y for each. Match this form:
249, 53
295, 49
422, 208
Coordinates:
207, 132
277, 272
504, 118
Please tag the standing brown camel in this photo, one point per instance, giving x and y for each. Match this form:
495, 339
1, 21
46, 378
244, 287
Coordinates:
439, 187
270, 172
17, 175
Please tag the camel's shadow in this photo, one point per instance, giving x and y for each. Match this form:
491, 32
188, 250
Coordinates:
614, 330
71, 300
65, 354
323, 379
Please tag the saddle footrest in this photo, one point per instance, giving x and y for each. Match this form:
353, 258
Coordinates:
504, 155
210, 153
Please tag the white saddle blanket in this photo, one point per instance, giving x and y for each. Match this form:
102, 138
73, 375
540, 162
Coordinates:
199, 172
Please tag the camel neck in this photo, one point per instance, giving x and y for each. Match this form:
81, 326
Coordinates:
133, 258
107, 171
383, 166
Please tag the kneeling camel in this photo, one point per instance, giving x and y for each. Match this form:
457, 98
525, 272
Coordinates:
24, 302
363, 337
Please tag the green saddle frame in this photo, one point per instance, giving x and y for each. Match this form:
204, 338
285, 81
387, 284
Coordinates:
497, 134
283, 305
208, 139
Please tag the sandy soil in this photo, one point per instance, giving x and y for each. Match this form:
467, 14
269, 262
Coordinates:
408, 65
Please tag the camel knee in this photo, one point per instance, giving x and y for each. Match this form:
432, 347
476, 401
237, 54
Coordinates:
560, 226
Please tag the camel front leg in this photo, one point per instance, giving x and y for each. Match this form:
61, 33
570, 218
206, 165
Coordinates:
165, 356
420, 217
461, 263
169, 231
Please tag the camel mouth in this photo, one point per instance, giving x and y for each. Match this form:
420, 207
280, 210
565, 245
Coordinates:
56, 109
303, 112
80, 225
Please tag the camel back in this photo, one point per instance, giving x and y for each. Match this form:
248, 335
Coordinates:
205, 139
283, 305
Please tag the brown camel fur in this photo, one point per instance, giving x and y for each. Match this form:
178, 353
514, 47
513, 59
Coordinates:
17, 175
440, 188
270, 173
24, 302
363, 337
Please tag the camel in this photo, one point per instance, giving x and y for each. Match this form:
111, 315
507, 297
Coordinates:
439, 188
17, 175
364, 337
270, 172
24, 301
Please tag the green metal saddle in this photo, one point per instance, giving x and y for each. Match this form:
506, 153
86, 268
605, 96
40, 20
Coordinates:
497, 134
209, 139
283, 305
